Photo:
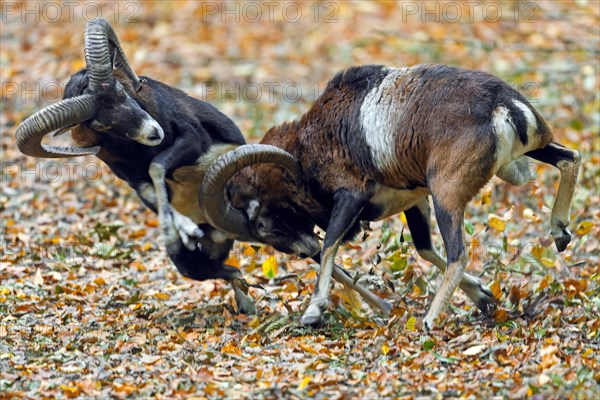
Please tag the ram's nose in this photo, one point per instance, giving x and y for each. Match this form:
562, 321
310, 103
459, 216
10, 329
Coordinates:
307, 247
150, 133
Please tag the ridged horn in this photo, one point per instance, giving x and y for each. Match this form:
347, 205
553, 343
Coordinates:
99, 39
66, 112
213, 198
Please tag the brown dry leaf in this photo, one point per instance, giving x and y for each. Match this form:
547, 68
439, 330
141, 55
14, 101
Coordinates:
496, 290
231, 348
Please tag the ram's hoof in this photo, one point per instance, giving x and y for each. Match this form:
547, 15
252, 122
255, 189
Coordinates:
428, 323
245, 305
562, 239
486, 303
187, 231
312, 317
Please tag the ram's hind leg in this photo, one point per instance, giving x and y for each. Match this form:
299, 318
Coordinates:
418, 219
567, 161
207, 264
450, 221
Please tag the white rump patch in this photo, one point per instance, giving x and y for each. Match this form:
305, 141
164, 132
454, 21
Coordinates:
505, 133
529, 116
379, 112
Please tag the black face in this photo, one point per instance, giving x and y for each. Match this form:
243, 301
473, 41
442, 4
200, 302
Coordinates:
286, 229
117, 112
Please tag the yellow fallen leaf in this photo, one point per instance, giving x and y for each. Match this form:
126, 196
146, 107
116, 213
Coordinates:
309, 349
544, 283
249, 252
304, 383
70, 391
584, 227
312, 274
410, 324
162, 296
537, 251
385, 349
233, 261
231, 348
486, 195
496, 222
347, 261
99, 281
269, 267
548, 262
153, 222
403, 218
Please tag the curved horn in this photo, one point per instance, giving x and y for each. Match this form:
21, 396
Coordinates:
213, 199
58, 115
99, 37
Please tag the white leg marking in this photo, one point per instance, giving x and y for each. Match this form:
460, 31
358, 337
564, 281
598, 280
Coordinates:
245, 302
165, 211
560, 211
188, 231
320, 298
472, 286
452, 278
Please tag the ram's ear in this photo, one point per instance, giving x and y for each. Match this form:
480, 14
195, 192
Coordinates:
252, 209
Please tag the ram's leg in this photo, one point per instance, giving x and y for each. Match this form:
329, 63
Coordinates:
200, 266
342, 276
166, 161
187, 230
567, 162
418, 219
347, 206
450, 220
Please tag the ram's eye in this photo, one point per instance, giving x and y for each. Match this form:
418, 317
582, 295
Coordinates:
99, 126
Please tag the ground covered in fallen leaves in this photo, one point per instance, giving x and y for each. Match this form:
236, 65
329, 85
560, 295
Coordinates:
90, 305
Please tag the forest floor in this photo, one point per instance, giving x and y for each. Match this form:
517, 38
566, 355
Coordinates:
91, 307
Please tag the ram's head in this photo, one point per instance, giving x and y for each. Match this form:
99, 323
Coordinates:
253, 193
94, 98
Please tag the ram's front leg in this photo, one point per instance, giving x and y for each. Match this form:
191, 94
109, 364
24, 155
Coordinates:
187, 230
347, 207
176, 228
